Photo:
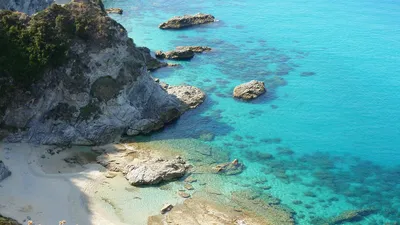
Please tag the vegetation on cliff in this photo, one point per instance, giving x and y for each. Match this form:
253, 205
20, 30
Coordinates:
32, 45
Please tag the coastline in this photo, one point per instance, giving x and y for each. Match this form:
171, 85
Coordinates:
46, 189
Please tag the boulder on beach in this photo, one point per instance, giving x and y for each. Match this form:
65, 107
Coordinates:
154, 171
184, 54
4, 172
179, 22
189, 95
114, 11
249, 90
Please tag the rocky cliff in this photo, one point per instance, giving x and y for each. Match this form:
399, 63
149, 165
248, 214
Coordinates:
79, 79
26, 6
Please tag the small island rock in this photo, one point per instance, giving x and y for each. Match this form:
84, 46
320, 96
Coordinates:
189, 95
154, 171
196, 49
184, 54
114, 11
249, 90
178, 22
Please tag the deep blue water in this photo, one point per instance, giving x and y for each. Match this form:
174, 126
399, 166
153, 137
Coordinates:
335, 133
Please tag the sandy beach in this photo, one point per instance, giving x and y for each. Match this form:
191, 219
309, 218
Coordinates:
49, 184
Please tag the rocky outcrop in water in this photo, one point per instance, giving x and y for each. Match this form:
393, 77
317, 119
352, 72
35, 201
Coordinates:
187, 21
191, 96
231, 168
4, 172
155, 171
26, 6
114, 11
151, 63
196, 49
249, 90
90, 85
185, 54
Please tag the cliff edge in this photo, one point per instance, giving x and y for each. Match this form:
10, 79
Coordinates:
73, 76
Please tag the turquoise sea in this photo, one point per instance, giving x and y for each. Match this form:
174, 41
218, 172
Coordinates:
330, 120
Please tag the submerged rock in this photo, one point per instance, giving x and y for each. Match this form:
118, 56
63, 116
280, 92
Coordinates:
249, 90
114, 11
231, 168
196, 49
154, 171
4, 172
184, 54
189, 95
346, 216
187, 21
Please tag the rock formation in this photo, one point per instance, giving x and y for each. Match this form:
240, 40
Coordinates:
151, 63
196, 49
249, 90
89, 83
185, 54
191, 96
114, 11
231, 168
154, 171
187, 21
4, 172
26, 6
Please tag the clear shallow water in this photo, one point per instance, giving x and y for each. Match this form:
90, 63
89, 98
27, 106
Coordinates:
340, 124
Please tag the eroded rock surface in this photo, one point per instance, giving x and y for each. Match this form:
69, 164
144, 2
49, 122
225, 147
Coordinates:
189, 95
184, 54
100, 90
114, 11
249, 90
26, 6
231, 168
154, 171
151, 63
196, 49
187, 21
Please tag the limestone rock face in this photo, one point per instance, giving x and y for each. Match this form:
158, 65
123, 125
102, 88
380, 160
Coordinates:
154, 171
101, 91
189, 95
26, 6
249, 90
187, 21
4, 172
184, 54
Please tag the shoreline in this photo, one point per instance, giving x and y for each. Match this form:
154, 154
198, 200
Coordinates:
85, 194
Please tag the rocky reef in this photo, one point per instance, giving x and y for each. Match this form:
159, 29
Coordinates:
191, 96
179, 22
4, 172
346, 216
26, 6
249, 90
88, 82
